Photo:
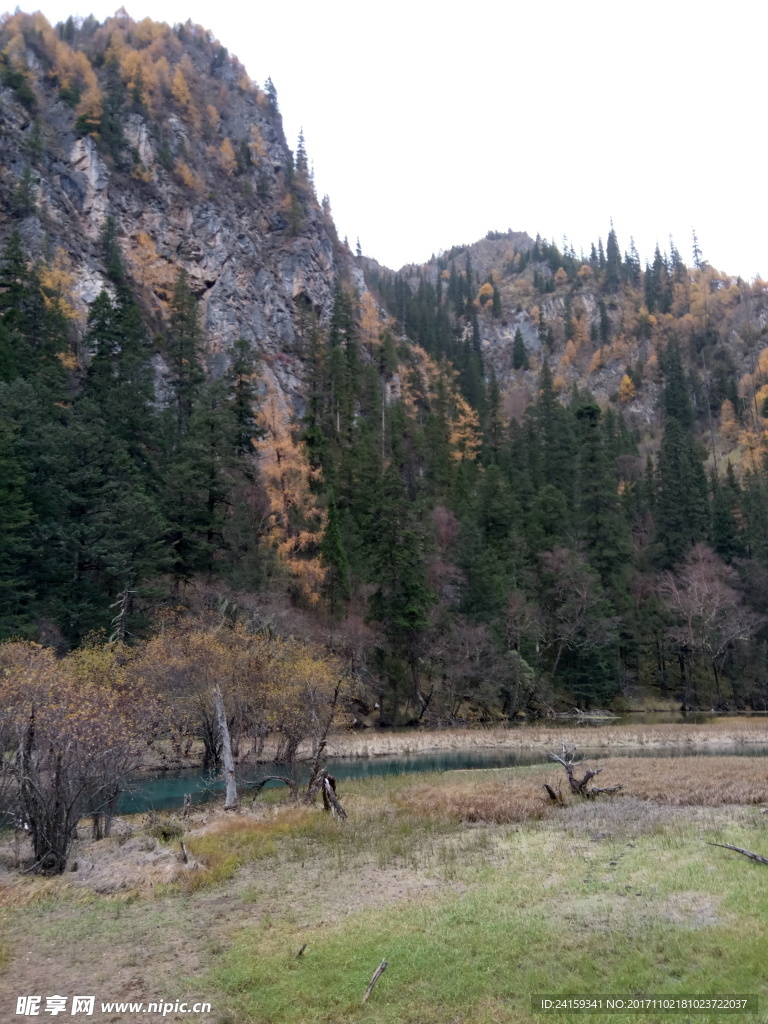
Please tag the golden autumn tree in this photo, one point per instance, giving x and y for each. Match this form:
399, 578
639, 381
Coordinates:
729, 428
627, 390
227, 159
296, 521
369, 323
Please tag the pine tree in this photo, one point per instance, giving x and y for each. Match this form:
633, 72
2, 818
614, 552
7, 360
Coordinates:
554, 436
601, 525
185, 373
15, 539
496, 309
241, 384
677, 402
519, 354
334, 557
726, 497
612, 263
683, 507
397, 564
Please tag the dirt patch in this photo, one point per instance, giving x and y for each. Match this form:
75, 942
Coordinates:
607, 912
689, 909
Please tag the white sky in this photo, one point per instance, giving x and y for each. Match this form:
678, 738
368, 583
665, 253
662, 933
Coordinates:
430, 123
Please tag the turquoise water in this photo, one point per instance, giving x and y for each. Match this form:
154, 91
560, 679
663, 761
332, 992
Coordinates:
165, 790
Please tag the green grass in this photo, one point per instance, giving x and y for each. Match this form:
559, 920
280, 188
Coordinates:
536, 909
613, 896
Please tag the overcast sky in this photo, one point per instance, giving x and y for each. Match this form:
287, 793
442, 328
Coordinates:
429, 124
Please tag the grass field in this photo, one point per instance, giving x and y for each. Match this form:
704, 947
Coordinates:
472, 885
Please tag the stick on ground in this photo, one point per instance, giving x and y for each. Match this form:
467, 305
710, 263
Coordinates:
745, 853
376, 975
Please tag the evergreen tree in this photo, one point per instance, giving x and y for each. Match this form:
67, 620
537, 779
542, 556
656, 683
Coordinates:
519, 354
403, 596
554, 436
726, 498
334, 557
677, 402
496, 309
15, 540
24, 196
612, 263
602, 527
185, 373
241, 383
683, 507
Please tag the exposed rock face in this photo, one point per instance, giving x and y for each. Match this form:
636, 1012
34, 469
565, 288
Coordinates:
254, 272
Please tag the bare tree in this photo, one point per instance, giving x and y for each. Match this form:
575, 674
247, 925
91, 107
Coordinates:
572, 605
76, 729
710, 614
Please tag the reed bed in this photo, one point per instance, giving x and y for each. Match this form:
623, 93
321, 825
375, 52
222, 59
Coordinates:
690, 781
719, 733
514, 796
503, 801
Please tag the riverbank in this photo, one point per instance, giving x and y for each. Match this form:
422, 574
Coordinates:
476, 889
720, 733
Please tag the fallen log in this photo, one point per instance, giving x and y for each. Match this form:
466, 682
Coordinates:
745, 853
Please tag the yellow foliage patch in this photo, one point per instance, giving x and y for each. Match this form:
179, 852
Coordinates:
227, 159
188, 177
627, 390
296, 523
56, 286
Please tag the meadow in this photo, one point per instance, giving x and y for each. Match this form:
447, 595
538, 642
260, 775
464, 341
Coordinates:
473, 885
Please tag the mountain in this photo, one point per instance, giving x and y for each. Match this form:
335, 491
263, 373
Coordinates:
510, 479
162, 133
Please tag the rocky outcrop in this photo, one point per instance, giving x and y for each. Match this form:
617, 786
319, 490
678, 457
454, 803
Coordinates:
255, 268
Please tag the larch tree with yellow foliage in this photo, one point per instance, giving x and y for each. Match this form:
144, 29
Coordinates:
296, 520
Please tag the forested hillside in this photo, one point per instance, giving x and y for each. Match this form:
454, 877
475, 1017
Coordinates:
513, 479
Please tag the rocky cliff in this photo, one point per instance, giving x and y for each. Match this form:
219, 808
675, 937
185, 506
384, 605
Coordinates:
160, 130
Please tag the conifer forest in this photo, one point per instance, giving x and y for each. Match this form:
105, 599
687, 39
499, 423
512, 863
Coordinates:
515, 479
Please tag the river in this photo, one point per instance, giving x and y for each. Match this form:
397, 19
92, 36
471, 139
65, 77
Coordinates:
165, 790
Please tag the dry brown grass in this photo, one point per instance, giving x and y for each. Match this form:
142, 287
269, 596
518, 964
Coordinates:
690, 781
512, 796
719, 733
503, 801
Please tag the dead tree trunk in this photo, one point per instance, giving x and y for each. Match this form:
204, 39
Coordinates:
330, 800
579, 787
230, 802
315, 777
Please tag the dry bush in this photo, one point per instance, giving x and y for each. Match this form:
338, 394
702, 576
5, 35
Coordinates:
502, 801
